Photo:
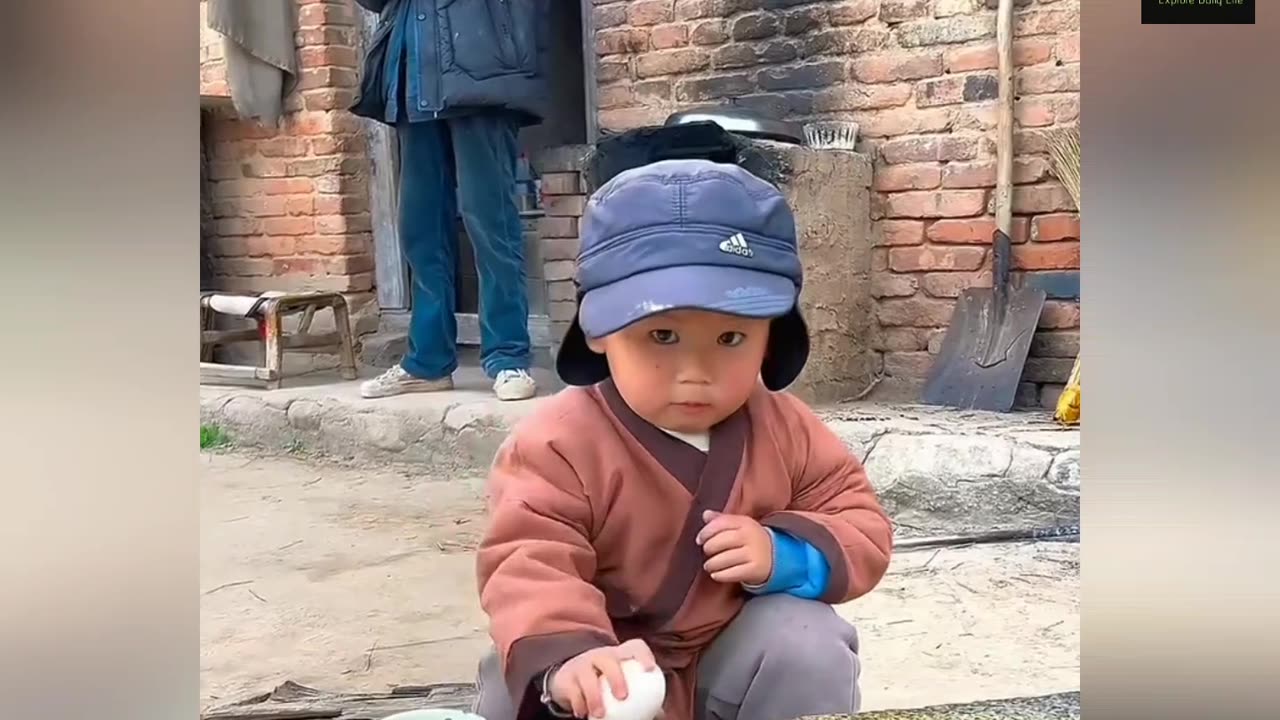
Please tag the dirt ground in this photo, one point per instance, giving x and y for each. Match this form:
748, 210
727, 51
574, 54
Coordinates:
360, 579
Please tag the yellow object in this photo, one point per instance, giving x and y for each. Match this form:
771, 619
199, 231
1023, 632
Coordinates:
1068, 411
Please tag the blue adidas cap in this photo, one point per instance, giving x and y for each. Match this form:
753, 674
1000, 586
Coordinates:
687, 234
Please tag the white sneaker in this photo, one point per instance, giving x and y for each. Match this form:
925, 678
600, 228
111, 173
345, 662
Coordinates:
514, 385
397, 381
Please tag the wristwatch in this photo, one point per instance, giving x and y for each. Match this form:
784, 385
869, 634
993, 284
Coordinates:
546, 699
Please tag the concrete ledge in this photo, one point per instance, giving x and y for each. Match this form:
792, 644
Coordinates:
936, 470
1063, 706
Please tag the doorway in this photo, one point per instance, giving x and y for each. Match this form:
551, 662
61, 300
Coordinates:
570, 122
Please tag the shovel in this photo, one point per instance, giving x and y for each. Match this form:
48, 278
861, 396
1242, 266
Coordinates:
982, 355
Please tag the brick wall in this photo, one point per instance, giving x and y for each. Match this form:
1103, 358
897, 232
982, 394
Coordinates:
290, 205
918, 75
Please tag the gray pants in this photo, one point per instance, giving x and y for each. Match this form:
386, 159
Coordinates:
780, 659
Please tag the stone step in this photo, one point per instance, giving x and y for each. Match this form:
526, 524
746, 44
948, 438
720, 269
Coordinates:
936, 470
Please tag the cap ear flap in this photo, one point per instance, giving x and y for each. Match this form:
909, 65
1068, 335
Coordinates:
787, 352
576, 363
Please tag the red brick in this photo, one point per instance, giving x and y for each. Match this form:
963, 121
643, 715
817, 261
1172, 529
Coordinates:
560, 249
649, 12
305, 205
1066, 109
711, 32
289, 226
270, 206
557, 227
244, 267
621, 42
941, 91
322, 123
895, 11
1034, 199
1047, 22
1050, 256
1068, 48
337, 144
325, 36
892, 67
652, 92
926, 258
907, 364
282, 147
322, 14
969, 175
892, 285
930, 149
327, 77
565, 205
1047, 370
974, 231
931, 204
891, 123
696, 9
561, 291
333, 244
1056, 227
983, 57
612, 96
1059, 315
1056, 344
672, 62
288, 186
852, 13
1035, 111
329, 99
901, 339
236, 226
899, 232
613, 69
951, 284
347, 264
317, 167
342, 224
607, 17
914, 312
666, 37
565, 183
340, 204
319, 56
558, 270
619, 119
907, 177
1048, 79
265, 168
853, 97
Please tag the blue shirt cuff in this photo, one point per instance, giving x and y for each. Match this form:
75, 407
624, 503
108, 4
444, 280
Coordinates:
799, 568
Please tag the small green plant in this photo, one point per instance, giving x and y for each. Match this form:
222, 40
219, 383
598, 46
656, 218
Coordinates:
213, 437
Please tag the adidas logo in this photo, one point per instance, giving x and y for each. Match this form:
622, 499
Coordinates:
737, 245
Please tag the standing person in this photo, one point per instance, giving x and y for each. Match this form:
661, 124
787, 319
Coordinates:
458, 80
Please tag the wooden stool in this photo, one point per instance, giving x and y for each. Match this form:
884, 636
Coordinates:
267, 310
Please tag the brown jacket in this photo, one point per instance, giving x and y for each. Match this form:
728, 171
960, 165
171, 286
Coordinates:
593, 514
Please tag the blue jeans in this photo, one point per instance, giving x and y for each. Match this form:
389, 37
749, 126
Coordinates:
465, 164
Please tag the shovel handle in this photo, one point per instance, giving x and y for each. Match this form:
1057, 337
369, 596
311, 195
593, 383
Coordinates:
1001, 250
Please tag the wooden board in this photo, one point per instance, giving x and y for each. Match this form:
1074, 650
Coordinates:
292, 701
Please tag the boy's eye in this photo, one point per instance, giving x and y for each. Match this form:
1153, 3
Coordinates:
664, 337
732, 339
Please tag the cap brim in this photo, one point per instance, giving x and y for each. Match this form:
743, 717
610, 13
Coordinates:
730, 290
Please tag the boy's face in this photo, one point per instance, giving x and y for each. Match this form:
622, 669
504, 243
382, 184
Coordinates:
686, 370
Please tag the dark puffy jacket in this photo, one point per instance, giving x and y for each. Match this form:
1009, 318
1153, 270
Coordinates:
457, 56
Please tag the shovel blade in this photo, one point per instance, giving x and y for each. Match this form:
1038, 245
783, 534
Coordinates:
984, 350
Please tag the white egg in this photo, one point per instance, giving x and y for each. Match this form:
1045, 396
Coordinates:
645, 692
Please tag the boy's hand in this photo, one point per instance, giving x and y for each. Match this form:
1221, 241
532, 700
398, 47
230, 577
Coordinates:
738, 549
576, 684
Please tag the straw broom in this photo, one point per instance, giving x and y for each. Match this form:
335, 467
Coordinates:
1064, 153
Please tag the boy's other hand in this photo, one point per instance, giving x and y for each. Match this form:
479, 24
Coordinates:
738, 549
576, 684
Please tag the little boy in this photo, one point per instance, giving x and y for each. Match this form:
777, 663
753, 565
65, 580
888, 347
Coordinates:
675, 508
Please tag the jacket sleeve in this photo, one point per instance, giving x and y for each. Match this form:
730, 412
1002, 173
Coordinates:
833, 506
535, 565
372, 5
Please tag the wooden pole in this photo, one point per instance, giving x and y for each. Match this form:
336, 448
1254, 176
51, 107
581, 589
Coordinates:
1004, 124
